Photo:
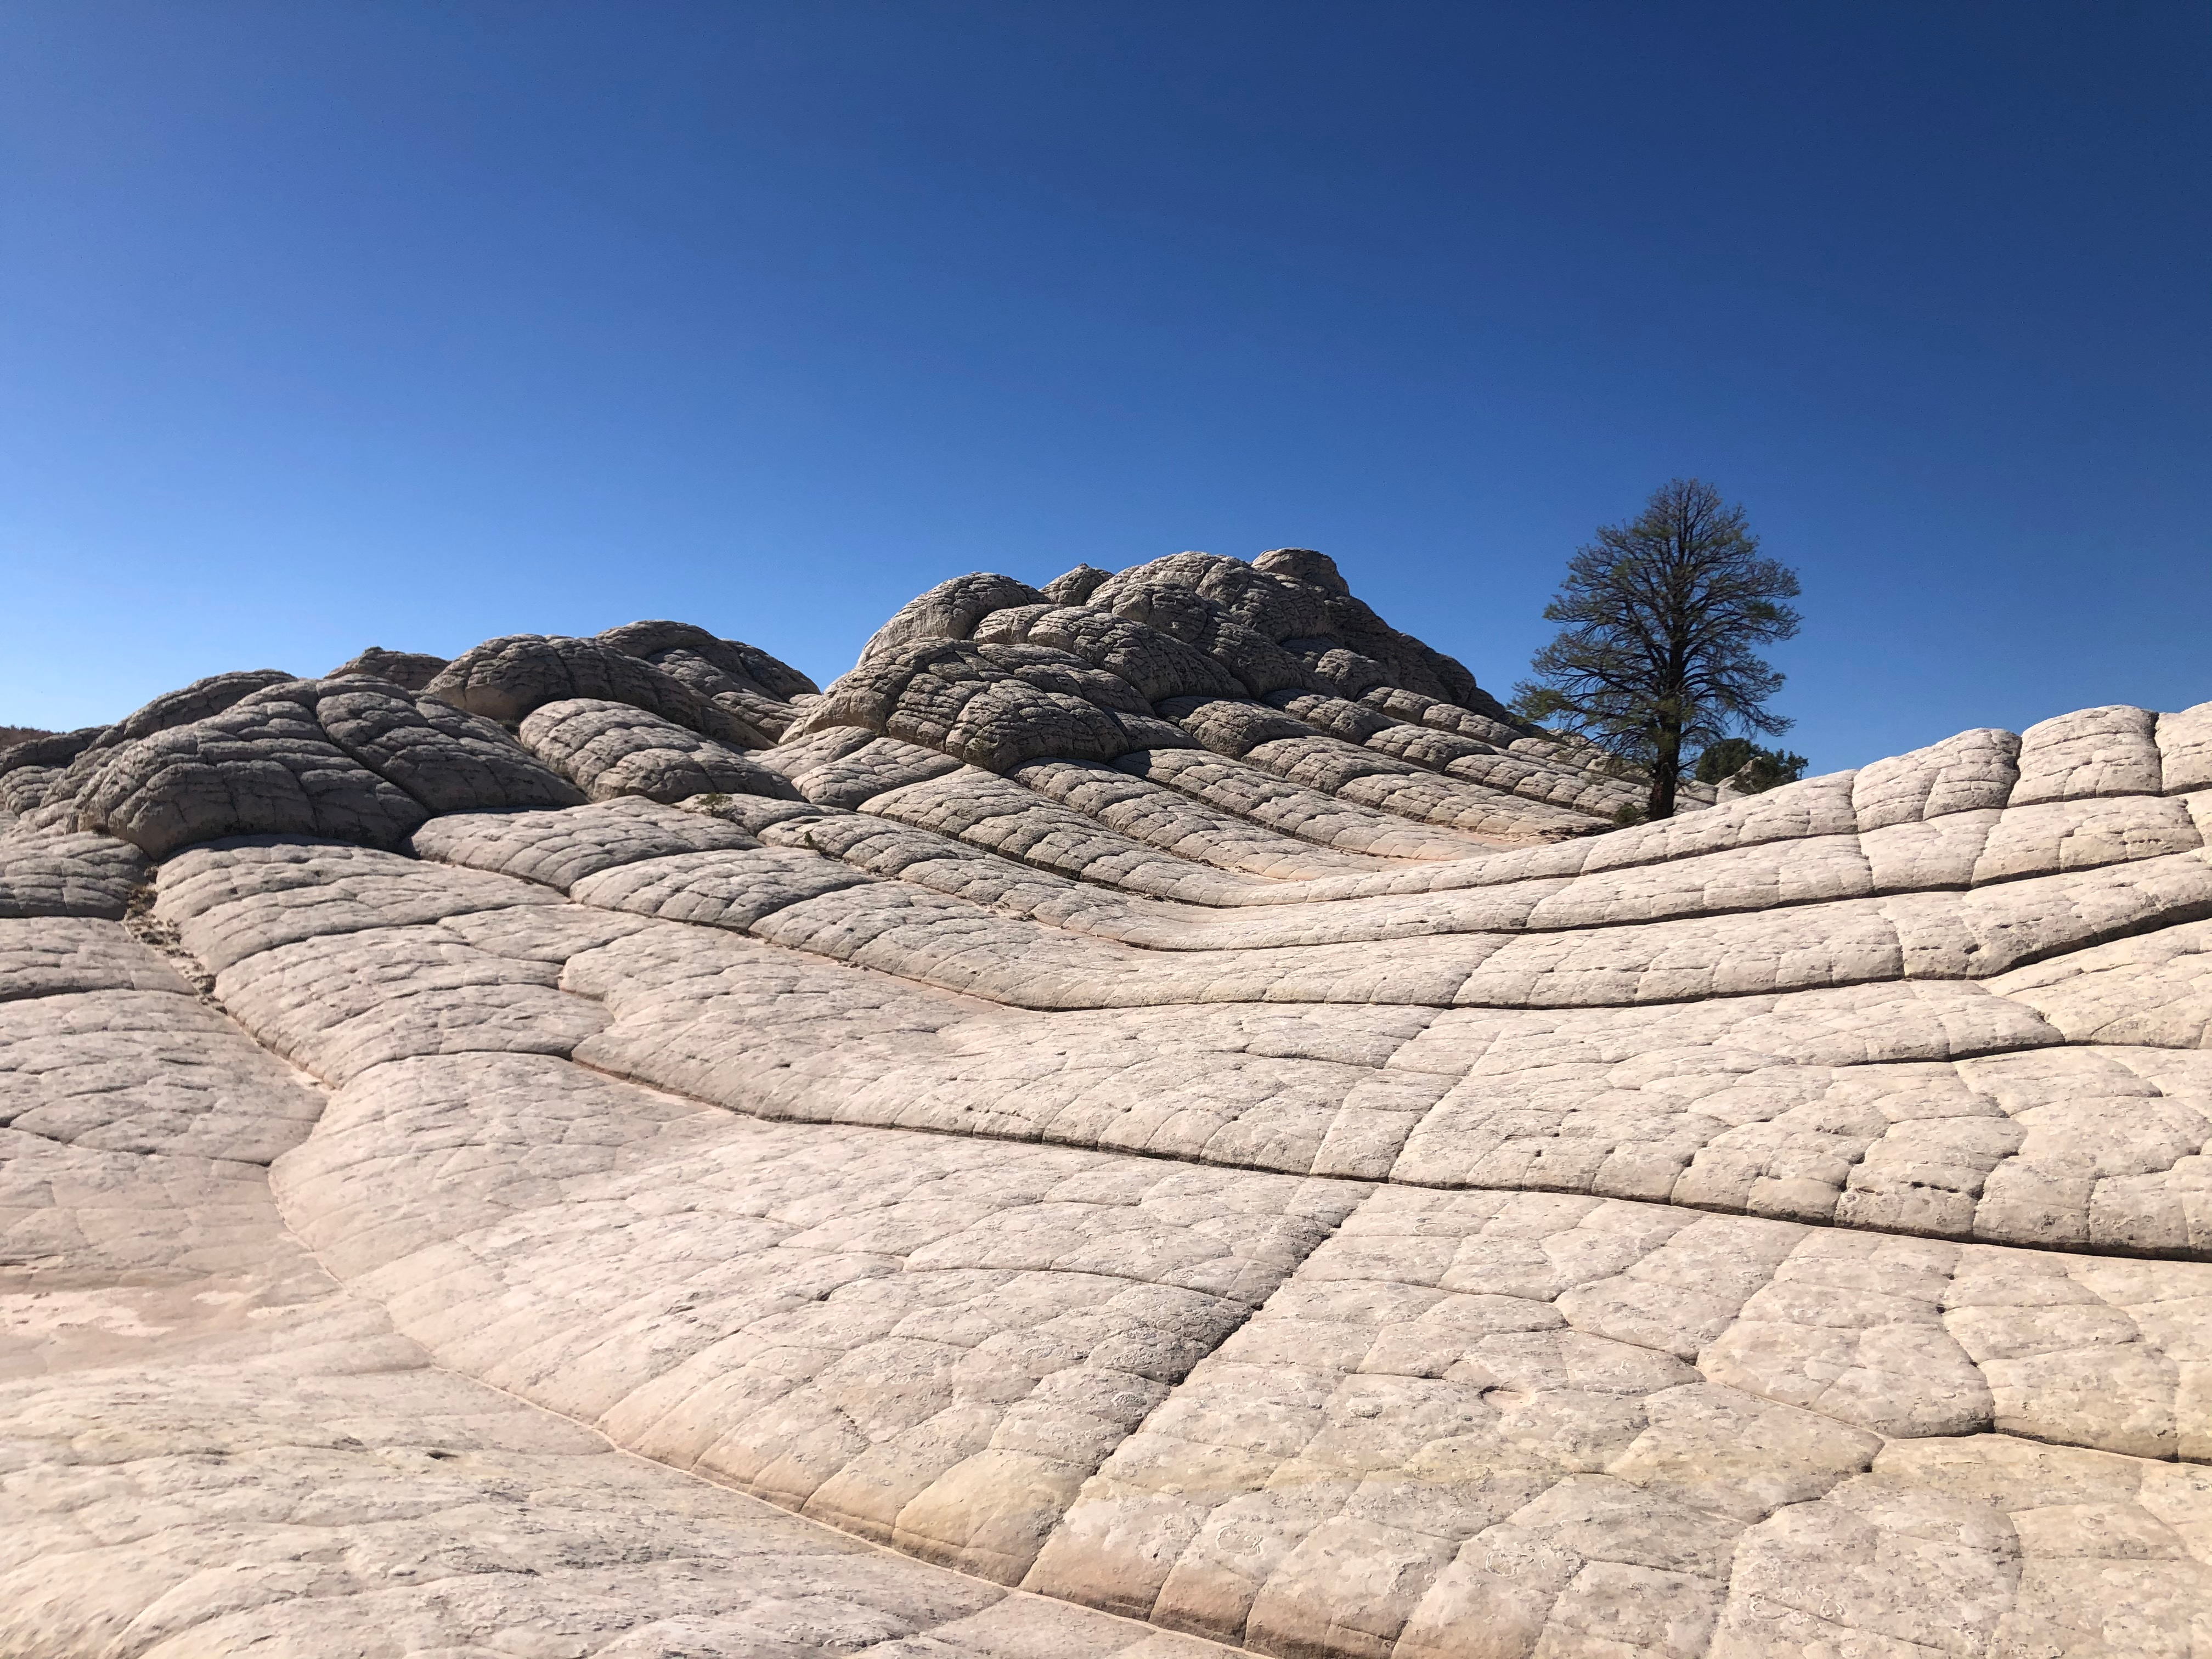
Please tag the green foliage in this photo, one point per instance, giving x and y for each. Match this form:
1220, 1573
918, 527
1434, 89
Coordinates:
1754, 769
1661, 615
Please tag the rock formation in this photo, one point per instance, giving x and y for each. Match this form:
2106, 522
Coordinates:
1146, 1117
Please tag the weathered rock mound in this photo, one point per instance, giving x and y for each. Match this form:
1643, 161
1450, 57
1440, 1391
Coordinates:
1148, 1092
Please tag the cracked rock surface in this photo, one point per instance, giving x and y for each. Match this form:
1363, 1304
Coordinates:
1144, 1120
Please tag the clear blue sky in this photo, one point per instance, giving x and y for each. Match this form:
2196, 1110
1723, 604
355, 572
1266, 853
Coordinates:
331, 324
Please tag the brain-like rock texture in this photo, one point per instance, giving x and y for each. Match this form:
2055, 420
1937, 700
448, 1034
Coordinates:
1149, 1117
410, 670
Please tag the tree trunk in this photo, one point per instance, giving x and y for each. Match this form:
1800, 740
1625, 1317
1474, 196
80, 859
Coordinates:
1666, 773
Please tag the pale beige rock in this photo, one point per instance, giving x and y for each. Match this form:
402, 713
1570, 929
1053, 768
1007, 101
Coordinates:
144, 1072
559, 849
2081, 834
1279, 799
2096, 751
1971, 772
230, 900
2184, 747
1157, 1096
341, 1004
68, 874
1920, 854
882, 1330
846, 767
1406, 1417
212, 1448
2155, 989
610, 749
50, 955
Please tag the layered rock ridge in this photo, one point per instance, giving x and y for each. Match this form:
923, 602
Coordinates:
1147, 1094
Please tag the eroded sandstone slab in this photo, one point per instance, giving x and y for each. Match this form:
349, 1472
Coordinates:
1146, 1115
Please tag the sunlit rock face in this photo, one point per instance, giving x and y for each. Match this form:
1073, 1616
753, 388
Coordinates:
1150, 1113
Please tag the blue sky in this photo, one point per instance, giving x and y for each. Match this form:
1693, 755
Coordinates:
325, 324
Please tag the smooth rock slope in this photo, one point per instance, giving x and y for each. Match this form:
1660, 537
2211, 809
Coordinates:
1151, 1116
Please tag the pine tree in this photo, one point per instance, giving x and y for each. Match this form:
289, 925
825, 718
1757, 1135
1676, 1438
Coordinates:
1662, 616
1752, 770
